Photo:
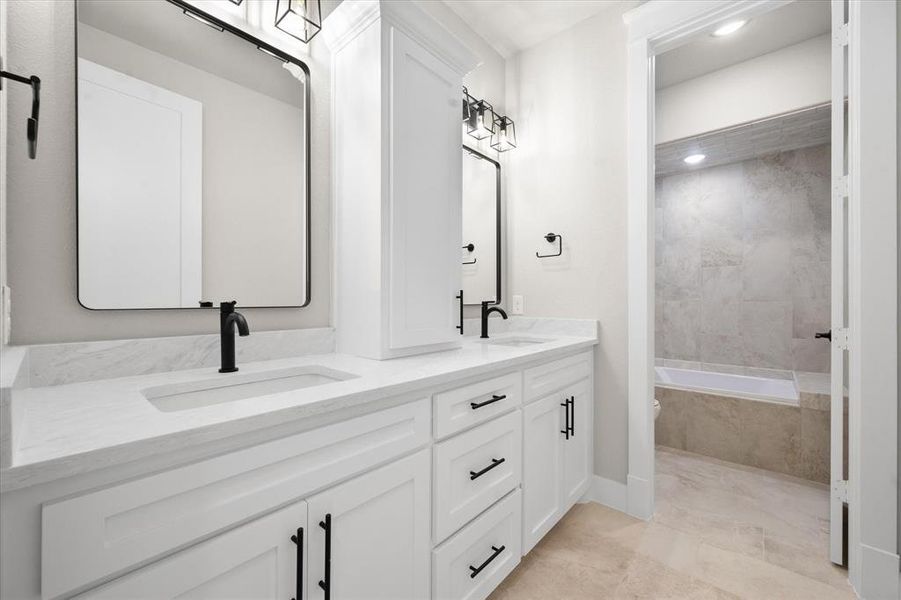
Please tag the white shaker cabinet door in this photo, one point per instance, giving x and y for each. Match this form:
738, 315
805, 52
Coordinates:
577, 447
256, 561
425, 196
369, 538
542, 468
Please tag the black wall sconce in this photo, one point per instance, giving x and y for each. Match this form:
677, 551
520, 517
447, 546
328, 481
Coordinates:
504, 137
550, 238
481, 120
467, 104
31, 131
301, 19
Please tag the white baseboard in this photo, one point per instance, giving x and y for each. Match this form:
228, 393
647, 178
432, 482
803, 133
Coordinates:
878, 574
640, 497
607, 492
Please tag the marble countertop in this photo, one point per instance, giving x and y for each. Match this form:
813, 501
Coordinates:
80, 427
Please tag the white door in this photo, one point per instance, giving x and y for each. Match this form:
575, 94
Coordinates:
577, 447
256, 561
426, 197
139, 205
370, 538
839, 342
542, 463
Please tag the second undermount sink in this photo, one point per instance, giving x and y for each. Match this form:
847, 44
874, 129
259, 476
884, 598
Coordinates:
518, 342
229, 388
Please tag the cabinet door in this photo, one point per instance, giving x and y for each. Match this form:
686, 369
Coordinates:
256, 561
425, 197
577, 459
377, 544
542, 465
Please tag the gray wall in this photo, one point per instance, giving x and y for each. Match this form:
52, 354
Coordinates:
743, 255
568, 175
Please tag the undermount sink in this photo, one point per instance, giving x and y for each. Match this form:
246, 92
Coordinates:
229, 388
518, 342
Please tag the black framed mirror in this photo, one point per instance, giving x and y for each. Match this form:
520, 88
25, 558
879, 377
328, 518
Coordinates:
482, 246
193, 161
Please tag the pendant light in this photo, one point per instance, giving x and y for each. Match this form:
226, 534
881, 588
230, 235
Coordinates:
481, 120
504, 136
301, 19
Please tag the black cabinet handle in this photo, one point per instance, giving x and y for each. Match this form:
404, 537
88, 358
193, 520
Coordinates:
494, 398
572, 416
460, 298
298, 581
326, 582
495, 554
565, 430
494, 462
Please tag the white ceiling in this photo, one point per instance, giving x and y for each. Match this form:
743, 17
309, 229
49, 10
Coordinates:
511, 26
785, 26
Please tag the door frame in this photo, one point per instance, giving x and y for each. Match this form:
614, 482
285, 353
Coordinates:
658, 26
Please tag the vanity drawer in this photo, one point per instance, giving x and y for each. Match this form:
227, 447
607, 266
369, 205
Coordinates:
108, 531
473, 562
475, 469
463, 407
545, 379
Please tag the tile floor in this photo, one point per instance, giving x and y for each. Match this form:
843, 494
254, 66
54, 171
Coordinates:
720, 531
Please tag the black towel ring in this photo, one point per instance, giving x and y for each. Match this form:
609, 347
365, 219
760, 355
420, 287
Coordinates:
551, 238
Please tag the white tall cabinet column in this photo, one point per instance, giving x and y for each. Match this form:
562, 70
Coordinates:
397, 178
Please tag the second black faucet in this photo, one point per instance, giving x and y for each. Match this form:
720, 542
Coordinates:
487, 311
229, 318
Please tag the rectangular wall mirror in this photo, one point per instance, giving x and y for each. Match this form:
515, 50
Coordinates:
193, 161
481, 228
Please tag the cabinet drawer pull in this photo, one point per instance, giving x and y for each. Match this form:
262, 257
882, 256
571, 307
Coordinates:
298, 580
572, 416
566, 430
494, 462
326, 582
495, 554
494, 398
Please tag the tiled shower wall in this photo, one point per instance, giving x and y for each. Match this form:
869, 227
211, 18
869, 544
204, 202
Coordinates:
743, 263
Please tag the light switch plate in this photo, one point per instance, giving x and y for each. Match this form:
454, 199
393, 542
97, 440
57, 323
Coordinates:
516, 307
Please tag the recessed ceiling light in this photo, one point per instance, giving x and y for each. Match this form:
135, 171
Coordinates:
730, 27
694, 159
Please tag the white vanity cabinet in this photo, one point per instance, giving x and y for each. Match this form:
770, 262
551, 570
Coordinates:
436, 495
397, 178
259, 560
370, 538
366, 538
558, 443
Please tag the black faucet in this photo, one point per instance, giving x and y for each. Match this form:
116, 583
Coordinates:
228, 319
487, 311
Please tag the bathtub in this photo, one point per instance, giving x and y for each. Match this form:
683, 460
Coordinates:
742, 386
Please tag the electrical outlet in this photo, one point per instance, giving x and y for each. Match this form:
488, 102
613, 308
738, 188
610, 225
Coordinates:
517, 304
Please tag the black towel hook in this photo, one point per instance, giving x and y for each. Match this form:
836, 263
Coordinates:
32, 130
551, 238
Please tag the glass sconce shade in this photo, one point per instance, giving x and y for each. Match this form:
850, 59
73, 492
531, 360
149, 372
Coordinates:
504, 136
481, 120
301, 19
